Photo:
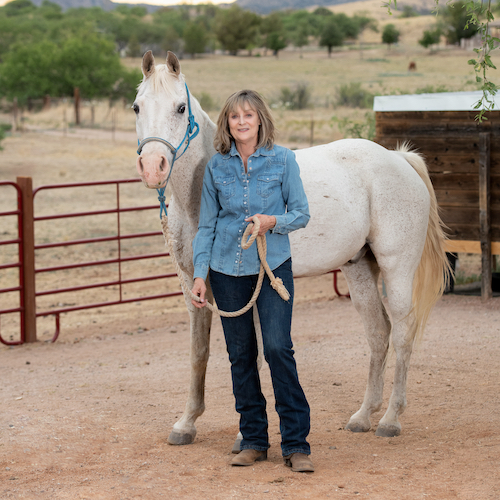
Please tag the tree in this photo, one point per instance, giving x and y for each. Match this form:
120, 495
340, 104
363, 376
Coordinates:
195, 38
455, 18
274, 33
430, 37
390, 35
19, 8
331, 35
236, 29
300, 36
39, 68
29, 71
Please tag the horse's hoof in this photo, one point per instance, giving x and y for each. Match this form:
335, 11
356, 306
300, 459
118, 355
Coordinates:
179, 439
356, 427
236, 446
388, 431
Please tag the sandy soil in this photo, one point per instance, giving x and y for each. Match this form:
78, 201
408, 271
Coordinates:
88, 416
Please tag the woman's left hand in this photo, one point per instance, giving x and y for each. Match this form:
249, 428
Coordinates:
267, 222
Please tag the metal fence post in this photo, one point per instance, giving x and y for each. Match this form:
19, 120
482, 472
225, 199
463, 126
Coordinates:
26, 185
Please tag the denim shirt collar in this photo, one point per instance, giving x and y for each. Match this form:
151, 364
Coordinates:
260, 152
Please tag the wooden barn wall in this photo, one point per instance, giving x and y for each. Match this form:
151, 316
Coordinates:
449, 142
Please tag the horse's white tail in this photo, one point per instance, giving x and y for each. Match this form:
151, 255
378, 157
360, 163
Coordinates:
434, 271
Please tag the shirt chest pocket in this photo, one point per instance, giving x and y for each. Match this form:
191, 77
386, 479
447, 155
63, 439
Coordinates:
226, 186
268, 184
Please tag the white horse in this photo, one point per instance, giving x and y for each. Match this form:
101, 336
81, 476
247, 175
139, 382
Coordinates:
372, 211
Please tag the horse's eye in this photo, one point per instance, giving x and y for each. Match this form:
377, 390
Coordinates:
135, 108
181, 109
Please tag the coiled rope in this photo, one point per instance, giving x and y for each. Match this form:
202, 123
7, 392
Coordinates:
276, 283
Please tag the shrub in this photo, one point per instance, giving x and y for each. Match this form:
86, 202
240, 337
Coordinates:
430, 89
4, 127
207, 102
353, 96
296, 98
355, 129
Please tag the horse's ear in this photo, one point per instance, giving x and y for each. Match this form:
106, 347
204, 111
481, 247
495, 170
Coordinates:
148, 64
173, 63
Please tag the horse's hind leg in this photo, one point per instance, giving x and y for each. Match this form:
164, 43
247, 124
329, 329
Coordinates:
362, 279
184, 430
398, 282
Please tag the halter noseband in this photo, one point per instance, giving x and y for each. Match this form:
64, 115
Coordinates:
191, 132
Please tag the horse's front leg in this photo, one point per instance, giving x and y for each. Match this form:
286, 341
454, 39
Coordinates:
184, 430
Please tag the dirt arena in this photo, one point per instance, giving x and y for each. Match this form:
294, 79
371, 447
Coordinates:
88, 416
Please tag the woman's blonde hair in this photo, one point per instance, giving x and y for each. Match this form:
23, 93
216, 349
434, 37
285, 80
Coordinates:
267, 131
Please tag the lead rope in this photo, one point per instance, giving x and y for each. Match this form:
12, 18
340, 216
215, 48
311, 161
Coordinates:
276, 283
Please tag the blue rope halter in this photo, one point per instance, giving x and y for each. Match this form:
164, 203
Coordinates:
191, 132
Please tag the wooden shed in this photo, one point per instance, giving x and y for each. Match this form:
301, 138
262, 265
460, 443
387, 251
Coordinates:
463, 157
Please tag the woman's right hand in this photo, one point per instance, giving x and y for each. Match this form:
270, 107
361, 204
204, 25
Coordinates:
199, 289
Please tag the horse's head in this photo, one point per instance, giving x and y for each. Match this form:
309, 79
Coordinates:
161, 108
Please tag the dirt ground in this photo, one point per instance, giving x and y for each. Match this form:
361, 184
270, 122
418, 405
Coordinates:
88, 416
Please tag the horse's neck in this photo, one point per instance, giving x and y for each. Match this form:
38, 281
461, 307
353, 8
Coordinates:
187, 174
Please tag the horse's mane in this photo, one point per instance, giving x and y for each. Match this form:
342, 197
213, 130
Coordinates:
162, 79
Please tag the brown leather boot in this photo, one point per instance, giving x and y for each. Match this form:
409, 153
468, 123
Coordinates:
248, 457
299, 462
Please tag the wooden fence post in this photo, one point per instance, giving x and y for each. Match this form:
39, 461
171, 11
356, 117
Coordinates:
15, 111
77, 105
484, 214
26, 185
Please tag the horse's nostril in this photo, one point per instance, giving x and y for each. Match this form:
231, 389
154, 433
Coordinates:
141, 166
163, 163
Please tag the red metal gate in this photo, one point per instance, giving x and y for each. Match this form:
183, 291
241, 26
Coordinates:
17, 263
28, 248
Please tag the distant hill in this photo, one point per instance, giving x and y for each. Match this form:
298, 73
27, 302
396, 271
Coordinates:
258, 6
104, 4
266, 6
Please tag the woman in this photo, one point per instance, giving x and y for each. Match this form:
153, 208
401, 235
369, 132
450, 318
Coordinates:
250, 176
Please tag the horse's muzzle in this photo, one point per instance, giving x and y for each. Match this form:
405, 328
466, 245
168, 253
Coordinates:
153, 169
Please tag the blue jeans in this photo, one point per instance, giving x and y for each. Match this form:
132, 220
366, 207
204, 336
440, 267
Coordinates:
232, 293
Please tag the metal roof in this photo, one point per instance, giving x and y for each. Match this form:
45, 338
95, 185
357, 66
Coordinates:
442, 101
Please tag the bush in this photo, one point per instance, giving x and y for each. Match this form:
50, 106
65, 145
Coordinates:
353, 96
207, 102
4, 127
296, 98
430, 89
355, 129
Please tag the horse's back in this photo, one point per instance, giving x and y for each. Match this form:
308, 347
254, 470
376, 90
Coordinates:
355, 188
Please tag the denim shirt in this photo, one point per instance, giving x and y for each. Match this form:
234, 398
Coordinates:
271, 186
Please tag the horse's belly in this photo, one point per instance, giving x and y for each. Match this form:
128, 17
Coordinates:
335, 233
